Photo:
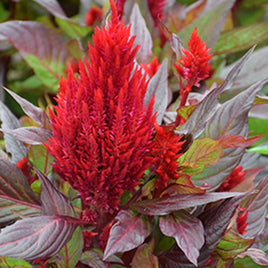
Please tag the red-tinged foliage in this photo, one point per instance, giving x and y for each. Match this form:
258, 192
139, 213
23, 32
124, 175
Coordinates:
157, 10
166, 152
93, 15
235, 178
102, 131
241, 222
193, 65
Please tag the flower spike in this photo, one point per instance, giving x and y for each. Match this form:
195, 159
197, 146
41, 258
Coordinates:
194, 66
102, 132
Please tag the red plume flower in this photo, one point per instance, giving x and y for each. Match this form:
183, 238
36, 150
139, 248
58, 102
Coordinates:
194, 65
241, 221
235, 178
102, 132
166, 151
120, 7
151, 68
94, 14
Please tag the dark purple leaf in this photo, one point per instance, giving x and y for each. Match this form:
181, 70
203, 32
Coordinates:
53, 7
46, 53
258, 256
53, 201
158, 86
93, 258
10, 211
38, 237
167, 205
142, 34
144, 257
30, 135
187, 230
14, 185
9, 121
231, 116
215, 221
127, 233
261, 241
209, 105
257, 206
34, 112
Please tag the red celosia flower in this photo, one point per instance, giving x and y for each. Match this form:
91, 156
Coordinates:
94, 14
157, 10
241, 221
120, 7
194, 65
151, 68
24, 166
235, 178
166, 152
102, 132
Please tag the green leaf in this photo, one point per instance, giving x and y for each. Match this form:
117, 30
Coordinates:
258, 126
4, 14
242, 38
203, 152
40, 157
48, 73
259, 257
72, 251
6, 262
262, 149
144, 257
73, 29
231, 244
46, 51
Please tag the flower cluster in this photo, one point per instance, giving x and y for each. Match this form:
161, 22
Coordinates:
166, 151
102, 132
193, 65
235, 178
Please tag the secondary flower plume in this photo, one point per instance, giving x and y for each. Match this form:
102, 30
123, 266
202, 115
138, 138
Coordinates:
102, 132
194, 66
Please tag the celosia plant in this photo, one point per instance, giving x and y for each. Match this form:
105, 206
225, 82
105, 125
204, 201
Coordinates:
132, 163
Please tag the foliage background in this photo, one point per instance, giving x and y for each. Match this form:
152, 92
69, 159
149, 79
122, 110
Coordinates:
33, 69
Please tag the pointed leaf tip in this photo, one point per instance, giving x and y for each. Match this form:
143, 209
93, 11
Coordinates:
158, 87
53, 201
127, 233
187, 230
34, 112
